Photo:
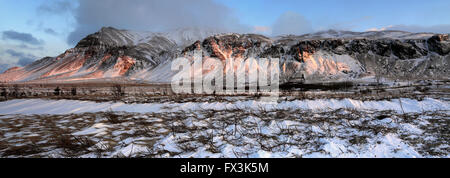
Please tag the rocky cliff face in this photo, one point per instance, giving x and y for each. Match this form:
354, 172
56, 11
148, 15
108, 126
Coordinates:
330, 55
105, 54
343, 55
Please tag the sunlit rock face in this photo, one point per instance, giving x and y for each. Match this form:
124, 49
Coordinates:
108, 53
323, 56
337, 55
439, 44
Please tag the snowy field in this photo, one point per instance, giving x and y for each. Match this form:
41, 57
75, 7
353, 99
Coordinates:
300, 128
40, 106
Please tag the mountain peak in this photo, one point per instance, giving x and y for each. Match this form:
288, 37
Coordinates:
107, 28
110, 36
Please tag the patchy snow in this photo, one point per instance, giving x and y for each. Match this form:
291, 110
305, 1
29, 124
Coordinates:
209, 133
401, 35
300, 128
130, 150
97, 129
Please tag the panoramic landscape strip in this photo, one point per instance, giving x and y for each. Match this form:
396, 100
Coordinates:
212, 79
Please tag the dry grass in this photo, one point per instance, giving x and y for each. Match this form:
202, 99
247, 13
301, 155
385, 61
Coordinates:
238, 127
150, 93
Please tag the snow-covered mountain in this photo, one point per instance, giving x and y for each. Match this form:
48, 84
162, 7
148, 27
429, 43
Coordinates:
328, 55
108, 53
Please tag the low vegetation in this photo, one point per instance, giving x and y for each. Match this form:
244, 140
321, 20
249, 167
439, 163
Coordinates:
228, 133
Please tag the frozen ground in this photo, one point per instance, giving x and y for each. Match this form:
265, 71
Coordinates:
40, 106
299, 128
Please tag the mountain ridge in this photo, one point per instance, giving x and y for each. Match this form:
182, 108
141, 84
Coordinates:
327, 55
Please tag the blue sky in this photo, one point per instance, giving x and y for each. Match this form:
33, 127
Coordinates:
56, 25
357, 15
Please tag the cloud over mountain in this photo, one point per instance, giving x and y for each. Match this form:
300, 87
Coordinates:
152, 15
444, 28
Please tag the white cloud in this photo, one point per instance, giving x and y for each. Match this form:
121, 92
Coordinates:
152, 15
291, 23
